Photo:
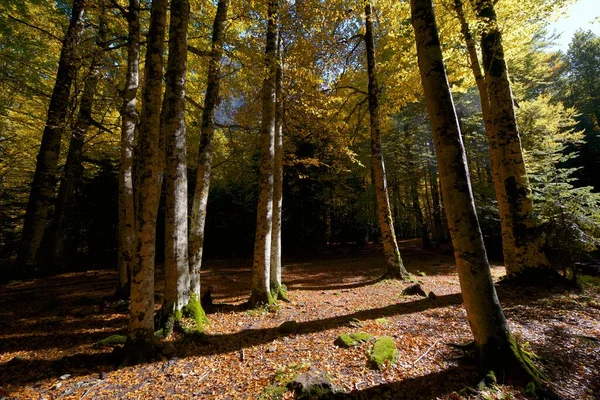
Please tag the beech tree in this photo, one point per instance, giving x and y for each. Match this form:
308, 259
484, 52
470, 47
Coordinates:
140, 340
205, 152
129, 116
498, 350
261, 267
45, 177
395, 266
60, 227
177, 274
518, 227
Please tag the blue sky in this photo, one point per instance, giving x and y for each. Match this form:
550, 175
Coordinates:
584, 14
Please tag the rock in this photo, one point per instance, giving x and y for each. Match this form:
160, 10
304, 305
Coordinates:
383, 352
432, 296
355, 323
271, 349
288, 327
312, 385
65, 376
352, 339
415, 289
168, 349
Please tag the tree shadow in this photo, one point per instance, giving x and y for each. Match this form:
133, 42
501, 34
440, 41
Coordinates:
429, 386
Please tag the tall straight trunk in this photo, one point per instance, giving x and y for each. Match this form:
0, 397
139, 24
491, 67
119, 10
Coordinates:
129, 118
261, 267
44, 178
275, 276
177, 277
394, 265
438, 227
141, 307
211, 99
498, 350
520, 222
503, 207
59, 231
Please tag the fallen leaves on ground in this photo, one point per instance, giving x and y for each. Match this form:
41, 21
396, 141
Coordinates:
50, 325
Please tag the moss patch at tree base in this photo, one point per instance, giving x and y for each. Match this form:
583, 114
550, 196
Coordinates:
112, 340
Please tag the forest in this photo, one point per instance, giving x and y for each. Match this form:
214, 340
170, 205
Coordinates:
281, 199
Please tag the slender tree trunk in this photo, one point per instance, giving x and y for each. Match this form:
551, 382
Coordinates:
141, 322
44, 179
59, 231
394, 264
261, 268
177, 278
497, 348
519, 220
276, 288
211, 100
435, 197
503, 208
129, 120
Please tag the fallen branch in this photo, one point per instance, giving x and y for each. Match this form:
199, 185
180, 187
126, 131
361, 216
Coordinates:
424, 354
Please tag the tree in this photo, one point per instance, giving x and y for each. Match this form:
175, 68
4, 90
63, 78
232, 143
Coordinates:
498, 350
205, 153
519, 225
59, 229
261, 267
395, 266
277, 289
177, 274
140, 340
44, 179
129, 118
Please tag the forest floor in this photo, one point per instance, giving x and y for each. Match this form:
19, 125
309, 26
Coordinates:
48, 328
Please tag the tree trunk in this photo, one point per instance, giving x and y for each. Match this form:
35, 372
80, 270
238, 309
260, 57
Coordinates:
498, 350
198, 217
438, 227
261, 292
276, 288
129, 119
519, 221
44, 179
503, 208
60, 230
394, 264
177, 278
141, 322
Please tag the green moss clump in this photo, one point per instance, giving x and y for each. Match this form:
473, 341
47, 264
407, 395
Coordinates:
383, 352
195, 311
352, 339
272, 392
113, 340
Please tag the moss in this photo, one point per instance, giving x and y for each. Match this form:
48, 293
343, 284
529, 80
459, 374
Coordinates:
383, 352
382, 321
195, 311
113, 340
280, 293
352, 339
272, 392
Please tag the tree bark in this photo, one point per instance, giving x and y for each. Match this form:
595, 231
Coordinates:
177, 278
261, 292
276, 288
59, 230
129, 120
525, 252
503, 208
211, 100
394, 264
497, 348
141, 322
44, 179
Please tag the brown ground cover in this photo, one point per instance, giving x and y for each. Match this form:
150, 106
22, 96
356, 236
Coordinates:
48, 327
